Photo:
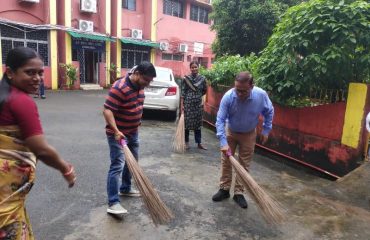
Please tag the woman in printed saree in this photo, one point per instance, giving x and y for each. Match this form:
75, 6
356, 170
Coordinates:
22, 142
193, 87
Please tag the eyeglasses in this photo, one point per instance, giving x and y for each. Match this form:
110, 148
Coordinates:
243, 92
147, 78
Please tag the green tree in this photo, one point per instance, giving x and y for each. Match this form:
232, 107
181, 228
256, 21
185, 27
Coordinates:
321, 44
244, 26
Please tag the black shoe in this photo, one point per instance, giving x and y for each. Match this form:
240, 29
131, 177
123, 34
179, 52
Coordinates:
201, 146
240, 200
221, 195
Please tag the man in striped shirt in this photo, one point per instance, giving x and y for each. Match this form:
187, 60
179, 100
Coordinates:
123, 110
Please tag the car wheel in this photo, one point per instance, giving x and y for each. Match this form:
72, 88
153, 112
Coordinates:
172, 115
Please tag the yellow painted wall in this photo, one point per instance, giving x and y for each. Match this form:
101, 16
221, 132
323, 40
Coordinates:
107, 43
107, 64
119, 35
54, 59
119, 56
68, 38
354, 114
153, 35
53, 46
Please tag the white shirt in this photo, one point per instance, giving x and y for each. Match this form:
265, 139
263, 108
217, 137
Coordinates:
368, 122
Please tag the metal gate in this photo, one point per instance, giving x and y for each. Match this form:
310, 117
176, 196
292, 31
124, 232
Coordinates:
81, 60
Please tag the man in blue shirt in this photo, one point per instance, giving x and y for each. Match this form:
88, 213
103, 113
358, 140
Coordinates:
239, 110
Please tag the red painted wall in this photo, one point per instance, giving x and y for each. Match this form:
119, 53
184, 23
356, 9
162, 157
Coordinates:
98, 18
171, 29
136, 20
23, 12
35, 13
324, 121
182, 30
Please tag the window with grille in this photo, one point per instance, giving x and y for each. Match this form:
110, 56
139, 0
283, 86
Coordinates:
129, 4
133, 55
174, 8
173, 57
199, 14
17, 36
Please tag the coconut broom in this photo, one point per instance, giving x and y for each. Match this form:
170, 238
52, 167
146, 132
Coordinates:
271, 210
158, 211
178, 144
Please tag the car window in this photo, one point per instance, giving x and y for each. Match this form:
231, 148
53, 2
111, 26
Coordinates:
163, 75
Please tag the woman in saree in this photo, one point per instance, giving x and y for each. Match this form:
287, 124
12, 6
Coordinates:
22, 142
194, 86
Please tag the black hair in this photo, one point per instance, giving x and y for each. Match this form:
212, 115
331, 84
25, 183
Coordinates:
16, 58
146, 69
194, 62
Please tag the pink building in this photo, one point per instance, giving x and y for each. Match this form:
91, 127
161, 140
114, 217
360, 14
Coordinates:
97, 36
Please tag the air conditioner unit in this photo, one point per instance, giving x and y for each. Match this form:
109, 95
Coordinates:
86, 26
163, 46
183, 48
31, 1
137, 33
88, 6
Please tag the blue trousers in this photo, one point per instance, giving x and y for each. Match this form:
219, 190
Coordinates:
118, 171
42, 89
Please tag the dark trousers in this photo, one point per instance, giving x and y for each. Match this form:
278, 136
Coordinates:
197, 135
42, 89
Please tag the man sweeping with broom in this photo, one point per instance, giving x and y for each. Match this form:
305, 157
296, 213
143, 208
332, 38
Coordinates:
123, 110
240, 109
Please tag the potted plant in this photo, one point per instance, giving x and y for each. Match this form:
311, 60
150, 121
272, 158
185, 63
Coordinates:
113, 71
70, 74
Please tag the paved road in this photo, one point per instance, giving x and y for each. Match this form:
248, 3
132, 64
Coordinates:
316, 208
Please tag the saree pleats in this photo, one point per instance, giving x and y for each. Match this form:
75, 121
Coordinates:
17, 173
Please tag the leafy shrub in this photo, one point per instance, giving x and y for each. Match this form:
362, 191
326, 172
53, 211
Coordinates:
225, 68
318, 44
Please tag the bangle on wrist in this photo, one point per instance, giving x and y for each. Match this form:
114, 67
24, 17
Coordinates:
69, 172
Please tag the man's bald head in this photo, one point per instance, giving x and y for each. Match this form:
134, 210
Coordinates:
243, 77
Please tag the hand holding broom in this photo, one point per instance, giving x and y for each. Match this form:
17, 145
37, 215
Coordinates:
270, 208
158, 211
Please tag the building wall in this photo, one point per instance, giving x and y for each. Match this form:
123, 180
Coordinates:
33, 13
98, 18
135, 20
112, 18
170, 29
176, 30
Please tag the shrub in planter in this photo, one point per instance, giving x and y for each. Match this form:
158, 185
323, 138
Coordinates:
70, 73
222, 74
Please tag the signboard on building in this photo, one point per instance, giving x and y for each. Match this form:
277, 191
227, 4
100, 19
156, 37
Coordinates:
87, 44
198, 48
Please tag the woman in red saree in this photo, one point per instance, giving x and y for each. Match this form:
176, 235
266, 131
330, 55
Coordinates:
22, 142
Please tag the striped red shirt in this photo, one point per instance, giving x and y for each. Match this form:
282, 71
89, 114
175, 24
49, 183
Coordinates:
126, 101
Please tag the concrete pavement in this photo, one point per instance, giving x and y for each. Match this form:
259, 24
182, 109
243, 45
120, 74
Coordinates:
316, 208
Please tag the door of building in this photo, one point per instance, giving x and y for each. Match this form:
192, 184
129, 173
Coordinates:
91, 68
89, 54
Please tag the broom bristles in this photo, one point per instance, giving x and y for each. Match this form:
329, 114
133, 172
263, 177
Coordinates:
271, 210
158, 210
178, 144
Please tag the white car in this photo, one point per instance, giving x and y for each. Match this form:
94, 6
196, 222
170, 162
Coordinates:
163, 93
